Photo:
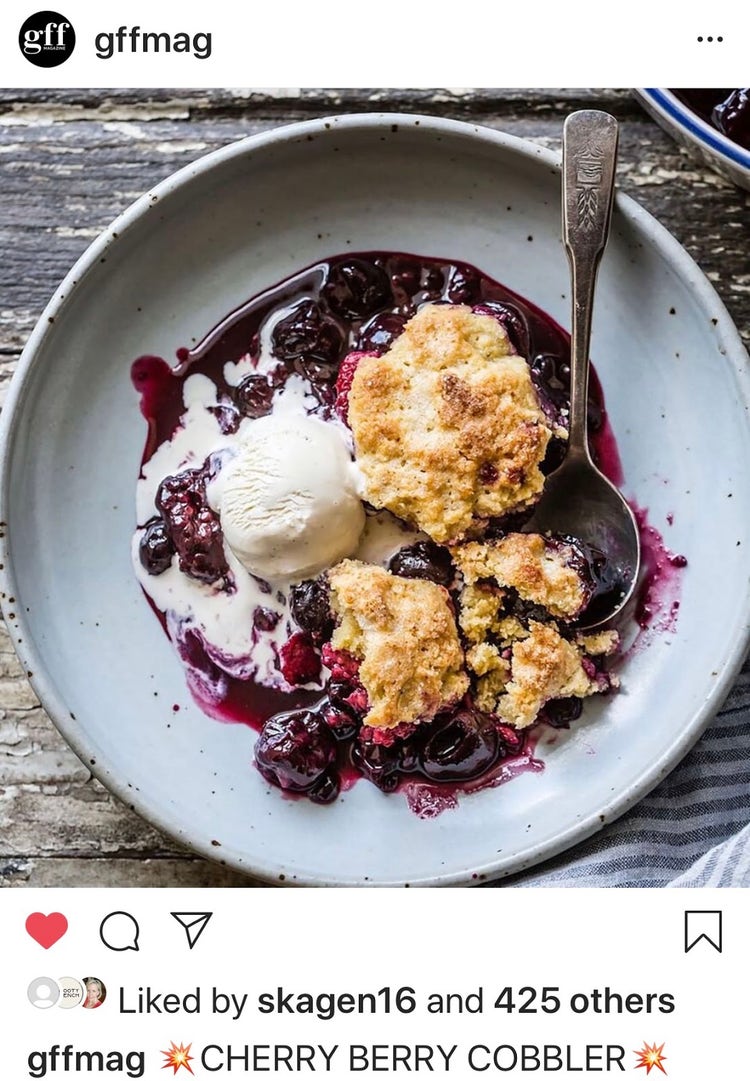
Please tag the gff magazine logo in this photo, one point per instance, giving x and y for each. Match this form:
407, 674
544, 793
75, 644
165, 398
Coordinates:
47, 39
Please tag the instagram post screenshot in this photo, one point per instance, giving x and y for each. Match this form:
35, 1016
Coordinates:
374, 534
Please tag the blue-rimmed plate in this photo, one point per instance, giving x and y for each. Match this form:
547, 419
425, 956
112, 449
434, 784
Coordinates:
728, 158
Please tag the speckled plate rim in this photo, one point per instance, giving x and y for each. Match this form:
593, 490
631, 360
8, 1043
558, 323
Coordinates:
32, 660
671, 109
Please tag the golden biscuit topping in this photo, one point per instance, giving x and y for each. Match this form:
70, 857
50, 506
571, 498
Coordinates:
543, 666
404, 633
539, 572
447, 425
518, 665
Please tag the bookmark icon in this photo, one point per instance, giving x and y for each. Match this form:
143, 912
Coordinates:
193, 924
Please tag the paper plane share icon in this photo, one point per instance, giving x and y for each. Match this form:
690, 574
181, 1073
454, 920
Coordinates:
193, 924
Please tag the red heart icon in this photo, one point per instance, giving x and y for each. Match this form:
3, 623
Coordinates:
46, 930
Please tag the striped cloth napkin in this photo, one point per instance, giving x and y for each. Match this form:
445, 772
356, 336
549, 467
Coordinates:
693, 830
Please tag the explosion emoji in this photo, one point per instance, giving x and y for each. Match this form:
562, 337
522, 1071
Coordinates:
651, 1056
177, 1057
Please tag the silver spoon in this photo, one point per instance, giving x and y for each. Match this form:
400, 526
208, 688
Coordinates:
578, 499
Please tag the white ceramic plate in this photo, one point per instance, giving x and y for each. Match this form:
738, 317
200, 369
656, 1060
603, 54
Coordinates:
175, 263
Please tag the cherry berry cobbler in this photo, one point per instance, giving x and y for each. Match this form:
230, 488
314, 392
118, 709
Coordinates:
331, 509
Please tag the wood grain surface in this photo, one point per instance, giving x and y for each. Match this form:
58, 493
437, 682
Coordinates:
70, 161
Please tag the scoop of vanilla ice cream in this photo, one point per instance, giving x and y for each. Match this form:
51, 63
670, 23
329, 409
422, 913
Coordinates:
288, 501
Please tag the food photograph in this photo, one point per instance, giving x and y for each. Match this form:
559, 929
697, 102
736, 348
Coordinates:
373, 507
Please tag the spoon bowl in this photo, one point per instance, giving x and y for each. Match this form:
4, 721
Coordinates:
578, 500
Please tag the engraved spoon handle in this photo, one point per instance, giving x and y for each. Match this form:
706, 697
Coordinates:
589, 157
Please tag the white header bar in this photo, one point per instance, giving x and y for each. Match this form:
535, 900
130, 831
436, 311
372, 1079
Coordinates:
344, 44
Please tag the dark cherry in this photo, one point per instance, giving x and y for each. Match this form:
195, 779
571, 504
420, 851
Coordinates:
406, 277
380, 764
511, 318
464, 285
356, 289
433, 283
295, 750
381, 332
326, 789
425, 559
310, 606
156, 548
460, 746
306, 334
254, 396
560, 712
193, 527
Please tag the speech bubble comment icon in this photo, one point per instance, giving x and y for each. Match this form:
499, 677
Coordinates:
119, 931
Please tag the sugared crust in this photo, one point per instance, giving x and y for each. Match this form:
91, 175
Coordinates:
543, 666
538, 572
518, 668
447, 425
404, 633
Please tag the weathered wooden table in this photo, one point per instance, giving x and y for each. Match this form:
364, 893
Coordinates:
70, 161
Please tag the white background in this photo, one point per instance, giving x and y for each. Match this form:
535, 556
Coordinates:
346, 940
341, 43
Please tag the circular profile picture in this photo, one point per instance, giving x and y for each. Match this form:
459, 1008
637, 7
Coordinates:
43, 992
72, 992
47, 39
96, 992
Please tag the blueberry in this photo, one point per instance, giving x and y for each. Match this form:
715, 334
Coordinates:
512, 319
307, 333
381, 332
425, 559
156, 548
254, 396
460, 746
295, 750
265, 619
561, 711
310, 606
464, 285
356, 289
